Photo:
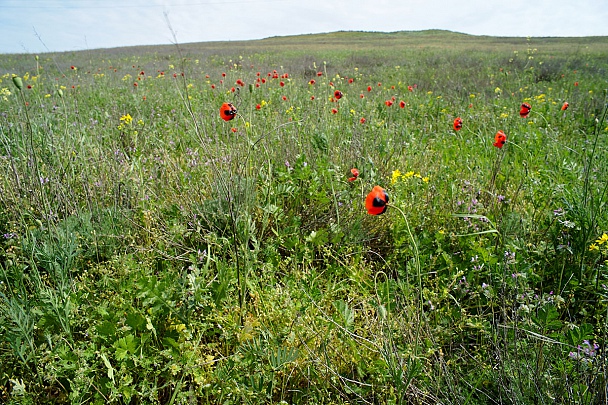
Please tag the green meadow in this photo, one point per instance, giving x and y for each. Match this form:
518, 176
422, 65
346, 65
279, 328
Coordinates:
153, 253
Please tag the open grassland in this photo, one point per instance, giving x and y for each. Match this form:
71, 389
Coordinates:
151, 252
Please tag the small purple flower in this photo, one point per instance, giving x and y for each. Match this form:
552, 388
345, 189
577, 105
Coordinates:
500, 198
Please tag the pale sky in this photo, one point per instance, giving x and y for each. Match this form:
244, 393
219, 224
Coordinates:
34, 26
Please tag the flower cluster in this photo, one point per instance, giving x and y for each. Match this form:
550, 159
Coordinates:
600, 245
396, 175
585, 352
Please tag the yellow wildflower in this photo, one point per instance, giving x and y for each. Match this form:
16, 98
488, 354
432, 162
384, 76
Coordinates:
593, 247
127, 119
602, 239
395, 176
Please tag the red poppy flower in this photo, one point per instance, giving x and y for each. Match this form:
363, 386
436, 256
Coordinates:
500, 139
362, 120
284, 98
388, 103
565, 106
334, 110
223, 74
375, 202
227, 111
350, 81
312, 82
319, 74
232, 89
282, 84
410, 88
258, 107
234, 129
402, 104
525, 110
73, 67
361, 95
312, 97
240, 82
576, 83
355, 173
213, 86
338, 94
369, 88
457, 124
135, 84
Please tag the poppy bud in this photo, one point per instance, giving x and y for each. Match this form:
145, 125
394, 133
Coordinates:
18, 82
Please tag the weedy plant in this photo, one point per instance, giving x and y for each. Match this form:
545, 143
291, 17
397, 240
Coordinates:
192, 225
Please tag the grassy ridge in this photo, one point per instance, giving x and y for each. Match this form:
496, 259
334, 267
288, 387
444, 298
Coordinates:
153, 253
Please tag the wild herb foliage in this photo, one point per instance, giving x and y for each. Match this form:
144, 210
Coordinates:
153, 252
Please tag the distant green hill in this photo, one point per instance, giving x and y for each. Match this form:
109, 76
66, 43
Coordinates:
365, 40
